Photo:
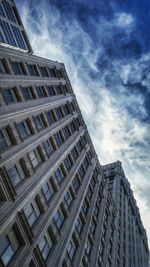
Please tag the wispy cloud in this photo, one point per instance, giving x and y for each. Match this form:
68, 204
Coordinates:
110, 77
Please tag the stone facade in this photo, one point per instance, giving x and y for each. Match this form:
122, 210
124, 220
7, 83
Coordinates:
56, 206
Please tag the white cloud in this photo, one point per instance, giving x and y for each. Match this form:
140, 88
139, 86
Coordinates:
124, 20
113, 130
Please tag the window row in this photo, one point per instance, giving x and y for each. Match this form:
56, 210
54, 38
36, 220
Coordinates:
12, 35
14, 95
23, 68
9, 11
29, 126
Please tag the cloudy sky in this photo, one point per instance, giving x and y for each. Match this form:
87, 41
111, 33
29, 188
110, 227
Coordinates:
105, 45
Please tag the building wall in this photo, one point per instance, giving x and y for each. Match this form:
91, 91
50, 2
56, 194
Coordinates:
12, 32
130, 241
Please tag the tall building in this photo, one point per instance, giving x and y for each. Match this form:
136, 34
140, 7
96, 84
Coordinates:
130, 246
55, 206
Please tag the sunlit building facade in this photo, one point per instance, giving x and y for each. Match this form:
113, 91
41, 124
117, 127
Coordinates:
55, 206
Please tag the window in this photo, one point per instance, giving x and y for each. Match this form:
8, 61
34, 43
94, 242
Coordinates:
35, 158
7, 32
59, 218
16, 174
28, 93
86, 163
45, 245
2, 67
32, 70
59, 139
89, 192
9, 246
65, 88
88, 247
49, 147
43, 71
51, 117
66, 109
5, 140
19, 37
38, 122
66, 132
75, 184
92, 227
79, 225
8, 11
81, 171
51, 90
68, 163
52, 73
58, 89
79, 146
59, 113
18, 68
59, 175
41, 91
74, 153
9, 95
32, 213
71, 248
85, 207
68, 198
23, 129
48, 191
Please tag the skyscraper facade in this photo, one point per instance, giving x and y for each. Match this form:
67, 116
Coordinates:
55, 206
130, 241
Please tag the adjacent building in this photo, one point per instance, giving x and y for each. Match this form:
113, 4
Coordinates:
130, 246
56, 208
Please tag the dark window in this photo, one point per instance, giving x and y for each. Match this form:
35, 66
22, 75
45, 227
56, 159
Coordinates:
72, 126
51, 90
2, 67
88, 247
19, 37
48, 191
58, 89
59, 113
66, 109
59, 218
68, 198
59, 139
86, 163
39, 122
85, 207
74, 153
18, 68
45, 246
7, 33
49, 147
9, 246
52, 73
79, 146
89, 192
8, 11
68, 163
92, 227
41, 91
9, 95
43, 71
23, 129
81, 172
32, 213
50, 117
71, 248
75, 184
59, 175
5, 140
32, 70
35, 158
79, 225
1, 10
27, 93
16, 174
65, 88
66, 132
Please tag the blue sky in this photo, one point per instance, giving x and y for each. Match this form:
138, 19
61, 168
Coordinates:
105, 46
